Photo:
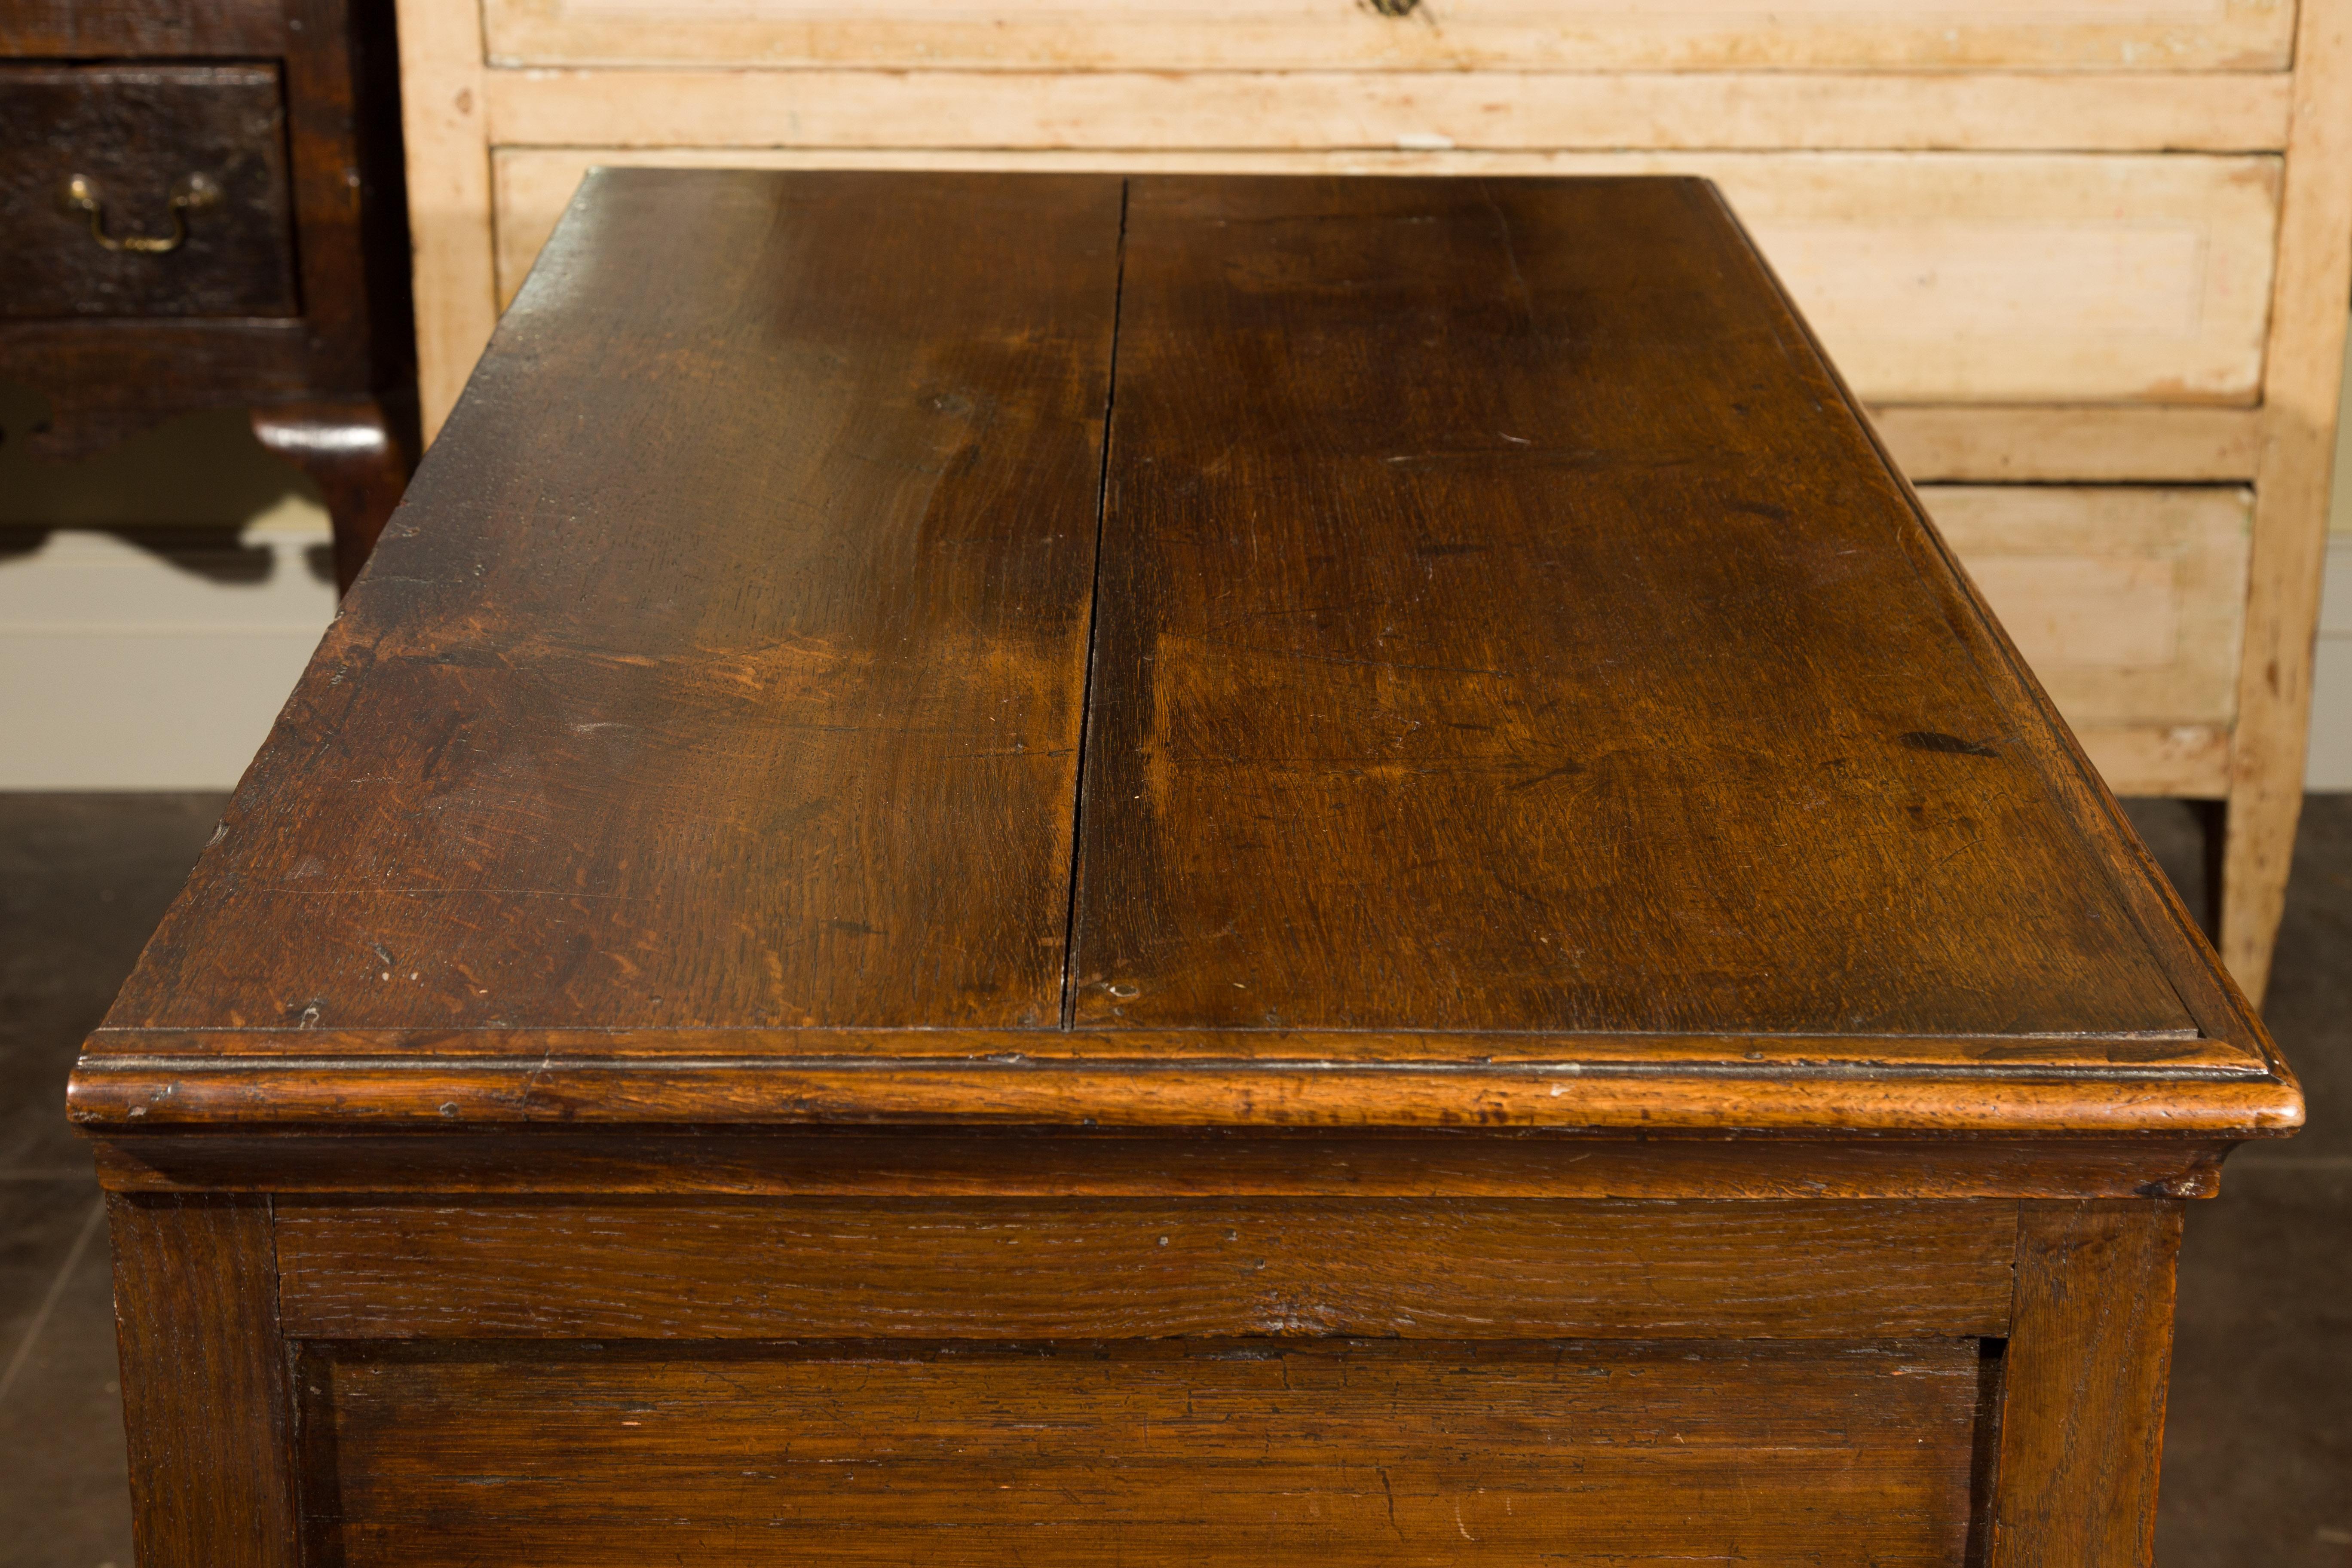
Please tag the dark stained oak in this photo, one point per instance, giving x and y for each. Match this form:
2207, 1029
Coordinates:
1501, 624
1505, 650
1163, 1456
761, 707
204, 1393
1050, 869
146, 27
133, 132
2082, 1427
1013, 1270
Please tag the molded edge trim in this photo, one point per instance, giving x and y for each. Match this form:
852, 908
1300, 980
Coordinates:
128, 1091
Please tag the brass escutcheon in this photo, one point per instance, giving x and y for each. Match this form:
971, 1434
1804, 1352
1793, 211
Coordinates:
80, 197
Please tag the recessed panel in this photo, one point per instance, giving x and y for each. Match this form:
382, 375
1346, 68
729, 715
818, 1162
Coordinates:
1150, 1454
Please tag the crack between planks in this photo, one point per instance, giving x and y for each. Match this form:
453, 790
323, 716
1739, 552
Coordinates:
1094, 622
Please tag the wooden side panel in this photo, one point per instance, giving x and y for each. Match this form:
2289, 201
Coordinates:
1931, 277
204, 1391
1018, 1270
1438, 35
2082, 1423
1155, 1456
2129, 604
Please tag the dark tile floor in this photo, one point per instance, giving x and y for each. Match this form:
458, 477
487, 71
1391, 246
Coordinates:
2258, 1446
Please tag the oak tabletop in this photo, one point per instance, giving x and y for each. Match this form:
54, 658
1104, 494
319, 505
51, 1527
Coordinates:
1171, 649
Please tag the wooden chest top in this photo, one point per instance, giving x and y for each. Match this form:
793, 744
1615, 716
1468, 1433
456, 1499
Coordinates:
1185, 650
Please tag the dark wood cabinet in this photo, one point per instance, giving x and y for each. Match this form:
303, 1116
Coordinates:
202, 204
1193, 871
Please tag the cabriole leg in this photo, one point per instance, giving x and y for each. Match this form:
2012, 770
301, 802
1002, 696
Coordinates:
359, 456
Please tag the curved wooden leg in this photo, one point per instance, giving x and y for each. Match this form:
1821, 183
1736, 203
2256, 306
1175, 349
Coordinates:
359, 456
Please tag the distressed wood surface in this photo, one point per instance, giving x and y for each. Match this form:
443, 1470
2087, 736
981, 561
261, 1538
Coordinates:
1134, 87
204, 1395
844, 684
88, 29
752, 798
1226, 1453
1101, 1269
1433, 615
135, 132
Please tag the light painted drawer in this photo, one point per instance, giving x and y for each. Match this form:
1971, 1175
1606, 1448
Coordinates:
2129, 604
1434, 35
1932, 277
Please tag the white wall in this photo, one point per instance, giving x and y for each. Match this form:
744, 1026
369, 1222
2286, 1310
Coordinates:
159, 663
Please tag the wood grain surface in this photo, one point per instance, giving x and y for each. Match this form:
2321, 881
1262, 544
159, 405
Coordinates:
1146, 1269
205, 1400
2081, 1424
1227, 1453
1558, 572
1030, 1163
86, 29
1489, 670
760, 703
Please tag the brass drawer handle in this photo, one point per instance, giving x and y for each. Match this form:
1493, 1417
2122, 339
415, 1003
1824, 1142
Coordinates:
189, 192
1394, 7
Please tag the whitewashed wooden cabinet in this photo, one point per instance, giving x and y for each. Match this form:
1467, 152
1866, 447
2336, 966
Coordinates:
2088, 264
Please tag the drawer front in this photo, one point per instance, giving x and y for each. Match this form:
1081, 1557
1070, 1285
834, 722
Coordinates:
77, 29
1932, 277
1149, 1453
1424, 34
140, 137
2130, 605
